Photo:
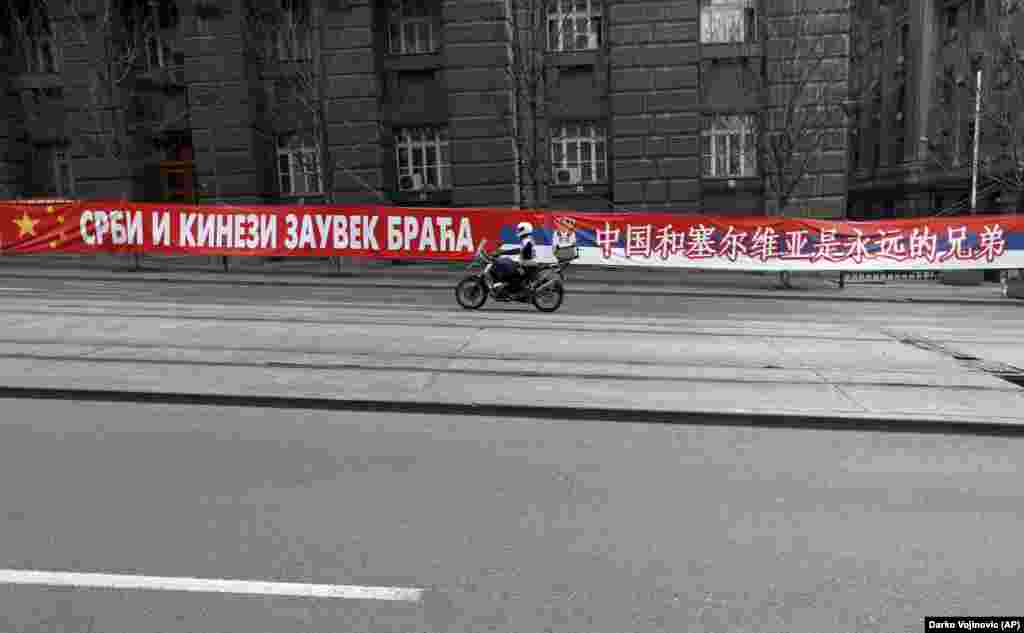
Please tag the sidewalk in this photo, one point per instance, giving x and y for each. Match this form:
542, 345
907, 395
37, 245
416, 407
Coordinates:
643, 379
581, 279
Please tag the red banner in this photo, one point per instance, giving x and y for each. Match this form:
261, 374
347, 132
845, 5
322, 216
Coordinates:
603, 239
368, 231
778, 243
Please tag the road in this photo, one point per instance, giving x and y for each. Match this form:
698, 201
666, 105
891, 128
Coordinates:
512, 525
509, 524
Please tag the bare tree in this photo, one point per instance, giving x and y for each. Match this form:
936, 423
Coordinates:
801, 81
526, 71
288, 37
534, 28
285, 36
114, 36
23, 24
995, 50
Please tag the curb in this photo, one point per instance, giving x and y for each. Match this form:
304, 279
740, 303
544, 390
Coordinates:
577, 414
581, 289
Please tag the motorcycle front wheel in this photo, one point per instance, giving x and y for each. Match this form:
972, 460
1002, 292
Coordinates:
549, 299
471, 293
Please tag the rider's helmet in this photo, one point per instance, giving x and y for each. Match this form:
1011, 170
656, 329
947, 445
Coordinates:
524, 229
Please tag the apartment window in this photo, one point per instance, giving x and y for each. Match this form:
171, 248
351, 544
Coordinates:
298, 165
855, 141
574, 25
727, 21
423, 158
904, 45
951, 23
45, 59
158, 52
729, 147
948, 85
63, 177
901, 104
411, 29
202, 25
578, 153
293, 36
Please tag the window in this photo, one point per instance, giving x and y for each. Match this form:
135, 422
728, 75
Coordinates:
904, 45
423, 158
298, 166
855, 141
293, 37
574, 25
730, 147
578, 153
727, 21
203, 26
979, 13
901, 104
948, 85
63, 177
158, 52
44, 59
951, 23
411, 29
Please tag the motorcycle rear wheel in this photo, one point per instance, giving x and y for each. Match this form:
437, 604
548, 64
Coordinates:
471, 293
549, 299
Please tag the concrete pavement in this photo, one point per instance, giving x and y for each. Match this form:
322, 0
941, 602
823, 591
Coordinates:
582, 280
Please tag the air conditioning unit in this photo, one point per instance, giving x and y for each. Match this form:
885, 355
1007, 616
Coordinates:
413, 182
899, 116
900, 60
568, 176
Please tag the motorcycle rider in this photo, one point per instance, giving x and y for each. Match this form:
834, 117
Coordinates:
512, 274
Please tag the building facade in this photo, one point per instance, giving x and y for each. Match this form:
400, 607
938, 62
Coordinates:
679, 106
915, 70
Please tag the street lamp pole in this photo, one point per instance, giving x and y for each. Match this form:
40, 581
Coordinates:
977, 135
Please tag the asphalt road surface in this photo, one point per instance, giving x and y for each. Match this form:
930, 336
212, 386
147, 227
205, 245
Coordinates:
510, 525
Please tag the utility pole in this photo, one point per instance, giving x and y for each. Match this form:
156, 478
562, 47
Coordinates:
977, 136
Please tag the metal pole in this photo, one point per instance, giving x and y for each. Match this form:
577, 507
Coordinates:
977, 136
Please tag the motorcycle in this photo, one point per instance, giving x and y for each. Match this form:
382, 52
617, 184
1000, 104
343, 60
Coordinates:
545, 290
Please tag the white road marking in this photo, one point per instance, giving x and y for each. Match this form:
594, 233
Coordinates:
206, 585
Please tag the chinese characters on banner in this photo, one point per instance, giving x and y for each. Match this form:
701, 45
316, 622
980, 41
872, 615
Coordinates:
621, 239
774, 243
